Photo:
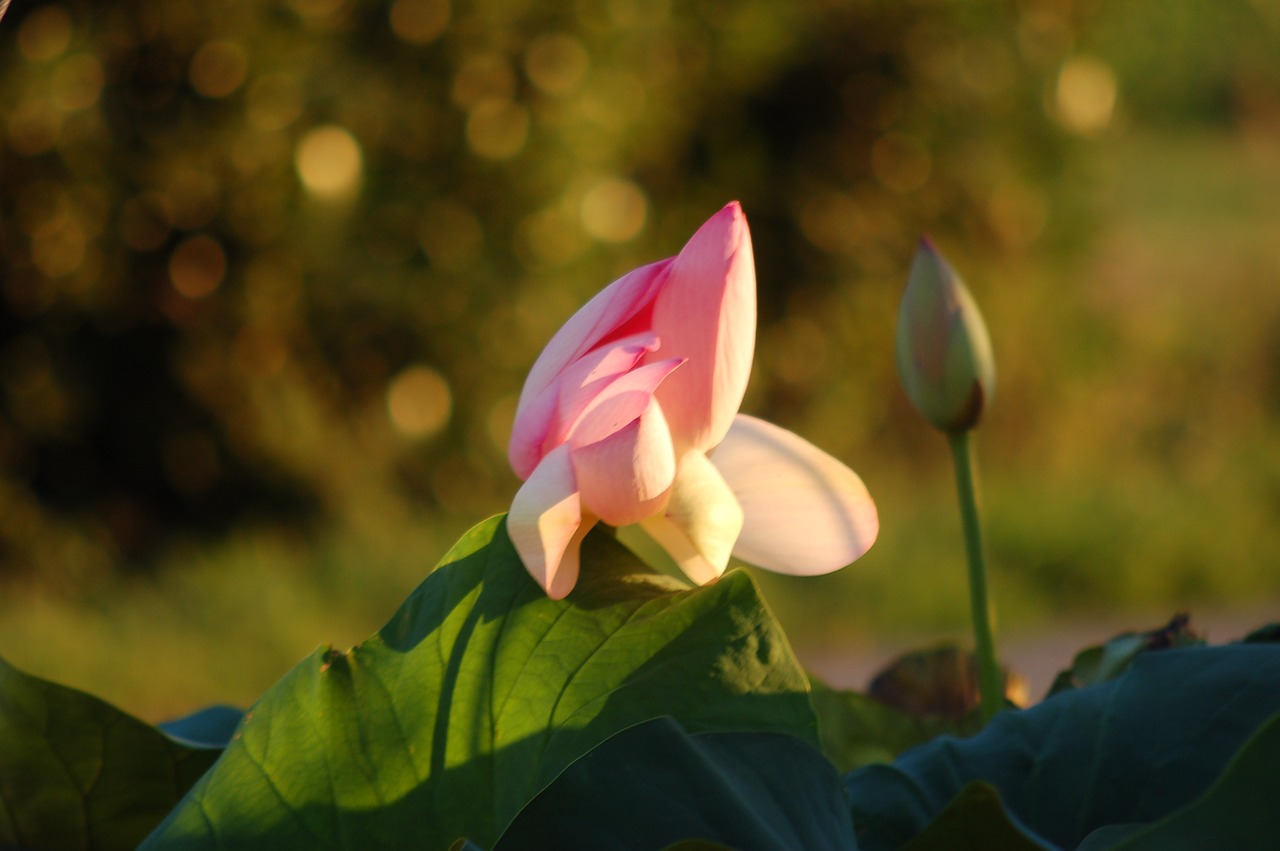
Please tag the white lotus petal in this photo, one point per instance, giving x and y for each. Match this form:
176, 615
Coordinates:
546, 525
701, 521
805, 513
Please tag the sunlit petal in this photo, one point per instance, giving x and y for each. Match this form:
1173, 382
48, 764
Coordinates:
706, 312
544, 420
622, 401
701, 521
546, 525
609, 315
805, 513
626, 477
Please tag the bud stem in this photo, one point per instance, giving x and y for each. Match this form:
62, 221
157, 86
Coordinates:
989, 679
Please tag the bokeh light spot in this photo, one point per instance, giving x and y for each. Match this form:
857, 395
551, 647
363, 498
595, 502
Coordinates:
419, 21
419, 401
482, 77
143, 224
497, 129
218, 68
197, 267
76, 83
1085, 97
900, 162
556, 63
328, 161
45, 34
614, 210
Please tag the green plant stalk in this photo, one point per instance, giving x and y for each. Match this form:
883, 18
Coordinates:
989, 680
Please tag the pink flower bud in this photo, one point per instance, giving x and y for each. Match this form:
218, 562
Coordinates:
944, 352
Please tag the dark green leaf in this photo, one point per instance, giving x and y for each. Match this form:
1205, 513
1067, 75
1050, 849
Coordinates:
1270, 633
858, 730
1131, 750
478, 693
1239, 812
975, 820
654, 785
77, 773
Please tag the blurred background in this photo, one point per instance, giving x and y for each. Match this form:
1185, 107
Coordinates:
272, 274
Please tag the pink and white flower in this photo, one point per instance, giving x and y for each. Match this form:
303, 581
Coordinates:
630, 415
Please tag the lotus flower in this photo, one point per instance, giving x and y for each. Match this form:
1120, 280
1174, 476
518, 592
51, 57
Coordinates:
630, 415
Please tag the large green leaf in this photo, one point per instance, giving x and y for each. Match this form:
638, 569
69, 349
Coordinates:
478, 693
654, 785
1239, 812
1132, 750
77, 773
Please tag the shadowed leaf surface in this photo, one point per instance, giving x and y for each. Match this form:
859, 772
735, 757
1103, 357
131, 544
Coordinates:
975, 820
1131, 750
654, 785
1238, 812
77, 773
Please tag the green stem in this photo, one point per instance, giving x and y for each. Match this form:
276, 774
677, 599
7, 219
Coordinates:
989, 679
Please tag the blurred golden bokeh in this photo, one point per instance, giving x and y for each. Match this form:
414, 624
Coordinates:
419, 401
614, 210
419, 21
1085, 95
218, 68
328, 160
197, 266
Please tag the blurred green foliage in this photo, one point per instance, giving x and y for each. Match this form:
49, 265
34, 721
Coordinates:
278, 268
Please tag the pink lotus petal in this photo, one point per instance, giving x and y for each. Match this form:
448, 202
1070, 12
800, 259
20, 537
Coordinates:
609, 315
546, 525
544, 419
626, 477
701, 521
805, 512
706, 312
593, 376
622, 401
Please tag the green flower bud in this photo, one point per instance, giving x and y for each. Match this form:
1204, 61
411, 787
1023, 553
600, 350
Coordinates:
944, 352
